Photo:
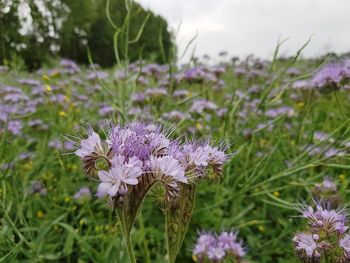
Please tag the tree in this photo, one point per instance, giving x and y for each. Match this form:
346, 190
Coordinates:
39, 29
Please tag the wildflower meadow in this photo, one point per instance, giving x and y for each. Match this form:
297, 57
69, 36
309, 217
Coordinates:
228, 160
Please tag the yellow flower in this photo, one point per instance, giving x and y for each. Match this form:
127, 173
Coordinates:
46, 77
263, 142
40, 214
300, 105
199, 126
66, 99
48, 88
72, 167
28, 166
62, 114
55, 74
276, 193
194, 258
48, 176
341, 177
67, 199
261, 228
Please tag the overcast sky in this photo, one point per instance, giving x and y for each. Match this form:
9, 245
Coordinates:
243, 27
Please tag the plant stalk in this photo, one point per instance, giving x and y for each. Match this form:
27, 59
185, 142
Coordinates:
127, 238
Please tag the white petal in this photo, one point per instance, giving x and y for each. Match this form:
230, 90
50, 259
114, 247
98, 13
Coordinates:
102, 189
131, 181
81, 153
113, 190
105, 176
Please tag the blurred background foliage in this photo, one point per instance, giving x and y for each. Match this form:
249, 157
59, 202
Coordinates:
35, 31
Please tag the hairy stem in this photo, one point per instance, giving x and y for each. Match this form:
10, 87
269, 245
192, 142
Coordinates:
127, 238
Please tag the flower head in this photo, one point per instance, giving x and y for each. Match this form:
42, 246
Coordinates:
215, 247
330, 77
136, 155
91, 151
306, 247
229, 243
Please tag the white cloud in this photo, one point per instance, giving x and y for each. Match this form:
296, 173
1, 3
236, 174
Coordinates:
253, 26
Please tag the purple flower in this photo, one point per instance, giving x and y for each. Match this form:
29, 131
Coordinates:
293, 72
84, 193
90, 145
29, 82
285, 110
327, 185
344, 244
216, 253
15, 97
105, 110
306, 246
199, 106
69, 145
329, 220
181, 94
205, 241
221, 112
215, 248
175, 116
37, 187
15, 127
168, 167
229, 243
97, 75
25, 155
56, 144
137, 149
138, 98
203, 156
70, 66
322, 136
156, 93
329, 77
302, 84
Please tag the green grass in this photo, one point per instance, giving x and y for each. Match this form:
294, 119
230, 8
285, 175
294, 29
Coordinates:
257, 194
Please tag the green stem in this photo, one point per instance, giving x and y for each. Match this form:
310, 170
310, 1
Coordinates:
340, 106
127, 238
145, 244
129, 248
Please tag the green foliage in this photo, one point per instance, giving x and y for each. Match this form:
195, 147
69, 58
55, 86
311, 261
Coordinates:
268, 174
66, 28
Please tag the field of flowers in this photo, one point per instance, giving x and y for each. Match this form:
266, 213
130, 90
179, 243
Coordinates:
277, 133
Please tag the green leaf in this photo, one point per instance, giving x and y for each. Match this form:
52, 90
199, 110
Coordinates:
68, 246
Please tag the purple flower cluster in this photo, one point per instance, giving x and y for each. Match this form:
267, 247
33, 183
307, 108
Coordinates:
326, 193
327, 236
136, 152
331, 77
84, 193
211, 247
37, 187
